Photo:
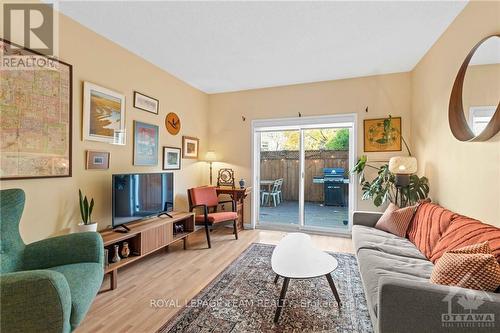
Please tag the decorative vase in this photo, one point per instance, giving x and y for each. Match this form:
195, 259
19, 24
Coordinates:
242, 183
116, 256
81, 227
125, 250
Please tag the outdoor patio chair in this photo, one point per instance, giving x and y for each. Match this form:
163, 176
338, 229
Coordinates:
280, 192
274, 194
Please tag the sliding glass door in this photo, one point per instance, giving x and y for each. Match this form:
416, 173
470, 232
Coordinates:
301, 176
279, 177
326, 178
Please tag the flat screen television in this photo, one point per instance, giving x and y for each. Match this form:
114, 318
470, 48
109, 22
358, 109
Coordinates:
138, 196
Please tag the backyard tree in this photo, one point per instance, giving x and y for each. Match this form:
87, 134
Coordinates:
340, 141
314, 139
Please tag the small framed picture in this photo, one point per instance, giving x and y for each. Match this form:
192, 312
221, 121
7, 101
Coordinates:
146, 103
97, 160
171, 158
190, 147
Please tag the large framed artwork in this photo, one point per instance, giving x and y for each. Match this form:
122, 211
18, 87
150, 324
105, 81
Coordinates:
382, 134
36, 114
190, 147
103, 114
145, 144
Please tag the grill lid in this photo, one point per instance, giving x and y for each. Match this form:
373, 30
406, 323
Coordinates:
333, 172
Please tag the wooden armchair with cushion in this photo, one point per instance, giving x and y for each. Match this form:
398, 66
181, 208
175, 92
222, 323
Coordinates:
206, 197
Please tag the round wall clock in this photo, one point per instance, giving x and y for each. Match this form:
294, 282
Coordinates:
173, 123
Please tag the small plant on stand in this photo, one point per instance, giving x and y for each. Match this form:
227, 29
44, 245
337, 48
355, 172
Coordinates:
86, 214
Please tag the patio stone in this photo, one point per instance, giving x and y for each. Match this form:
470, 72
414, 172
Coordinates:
315, 215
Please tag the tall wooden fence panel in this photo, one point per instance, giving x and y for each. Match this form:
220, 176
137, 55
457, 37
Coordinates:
285, 164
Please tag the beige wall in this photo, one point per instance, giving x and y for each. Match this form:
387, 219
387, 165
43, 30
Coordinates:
464, 177
51, 205
230, 137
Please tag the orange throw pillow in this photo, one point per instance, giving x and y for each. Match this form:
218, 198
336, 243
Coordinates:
396, 220
473, 267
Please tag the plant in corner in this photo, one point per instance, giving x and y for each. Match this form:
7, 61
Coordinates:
86, 209
383, 187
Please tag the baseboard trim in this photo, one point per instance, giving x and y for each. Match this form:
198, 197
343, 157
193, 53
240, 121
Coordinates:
287, 228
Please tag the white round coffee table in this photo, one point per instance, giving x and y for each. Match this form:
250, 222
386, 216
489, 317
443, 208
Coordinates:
296, 258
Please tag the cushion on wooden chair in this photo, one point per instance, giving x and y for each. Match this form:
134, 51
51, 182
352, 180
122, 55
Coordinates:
217, 217
206, 195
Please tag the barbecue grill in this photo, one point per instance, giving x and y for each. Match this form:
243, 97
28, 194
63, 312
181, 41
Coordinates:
335, 185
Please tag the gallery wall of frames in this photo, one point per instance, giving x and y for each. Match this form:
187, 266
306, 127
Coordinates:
94, 113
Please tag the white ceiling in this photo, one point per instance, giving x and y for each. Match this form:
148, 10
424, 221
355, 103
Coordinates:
229, 46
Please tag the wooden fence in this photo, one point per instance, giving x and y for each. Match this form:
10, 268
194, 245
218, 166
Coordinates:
285, 164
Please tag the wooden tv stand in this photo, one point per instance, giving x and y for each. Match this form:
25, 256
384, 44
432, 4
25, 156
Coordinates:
145, 237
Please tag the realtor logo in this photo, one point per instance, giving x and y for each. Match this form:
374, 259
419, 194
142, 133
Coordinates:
467, 314
30, 25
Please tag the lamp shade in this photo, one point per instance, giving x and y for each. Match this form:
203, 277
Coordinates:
210, 156
403, 165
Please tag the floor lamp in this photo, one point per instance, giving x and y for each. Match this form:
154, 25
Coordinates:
210, 157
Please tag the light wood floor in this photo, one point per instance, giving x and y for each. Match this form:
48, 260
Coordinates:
176, 276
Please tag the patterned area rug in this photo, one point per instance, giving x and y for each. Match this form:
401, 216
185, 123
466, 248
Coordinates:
243, 299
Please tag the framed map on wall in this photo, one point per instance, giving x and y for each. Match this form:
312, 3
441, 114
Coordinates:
36, 111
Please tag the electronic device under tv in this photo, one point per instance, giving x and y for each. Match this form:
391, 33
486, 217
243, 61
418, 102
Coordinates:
138, 196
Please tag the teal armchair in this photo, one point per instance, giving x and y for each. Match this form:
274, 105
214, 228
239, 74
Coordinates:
49, 285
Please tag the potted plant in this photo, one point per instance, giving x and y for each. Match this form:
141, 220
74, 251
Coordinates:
86, 214
383, 187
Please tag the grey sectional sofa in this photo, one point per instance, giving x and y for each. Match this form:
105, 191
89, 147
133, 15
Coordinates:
398, 292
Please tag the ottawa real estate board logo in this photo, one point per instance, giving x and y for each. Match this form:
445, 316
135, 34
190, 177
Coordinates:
464, 311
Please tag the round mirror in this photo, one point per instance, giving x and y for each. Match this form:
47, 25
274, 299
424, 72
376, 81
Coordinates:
474, 104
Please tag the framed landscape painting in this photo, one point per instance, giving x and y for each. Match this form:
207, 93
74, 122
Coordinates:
171, 158
145, 144
190, 147
36, 115
382, 134
103, 114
